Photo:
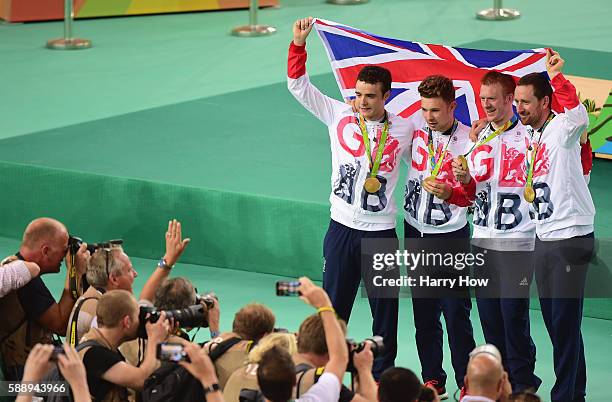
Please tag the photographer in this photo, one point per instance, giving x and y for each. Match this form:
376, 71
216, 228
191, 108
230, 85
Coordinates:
398, 384
110, 269
30, 314
313, 355
107, 269
108, 375
276, 371
179, 293
176, 294
229, 350
486, 380
245, 378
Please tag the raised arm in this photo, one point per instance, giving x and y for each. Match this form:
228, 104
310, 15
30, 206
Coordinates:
175, 245
575, 117
334, 337
323, 107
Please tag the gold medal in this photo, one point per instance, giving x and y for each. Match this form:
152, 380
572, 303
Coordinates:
529, 194
372, 185
463, 161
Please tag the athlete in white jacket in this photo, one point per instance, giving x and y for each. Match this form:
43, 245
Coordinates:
503, 231
365, 170
563, 211
434, 225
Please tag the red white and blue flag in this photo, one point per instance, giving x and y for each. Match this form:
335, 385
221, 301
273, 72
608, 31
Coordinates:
349, 49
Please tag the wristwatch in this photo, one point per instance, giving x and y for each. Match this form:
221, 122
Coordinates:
163, 264
211, 388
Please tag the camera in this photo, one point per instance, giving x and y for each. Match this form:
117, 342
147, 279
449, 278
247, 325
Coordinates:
74, 243
189, 317
207, 300
377, 347
171, 352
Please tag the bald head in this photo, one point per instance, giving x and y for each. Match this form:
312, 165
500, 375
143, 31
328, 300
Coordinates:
42, 230
44, 242
484, 376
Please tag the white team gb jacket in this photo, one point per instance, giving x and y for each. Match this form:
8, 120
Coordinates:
351, 205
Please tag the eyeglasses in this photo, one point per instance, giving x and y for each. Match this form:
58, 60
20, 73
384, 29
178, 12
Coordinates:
107, 252
107, 258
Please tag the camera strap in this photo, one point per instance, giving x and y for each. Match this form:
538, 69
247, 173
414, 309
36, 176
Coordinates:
75, 320
73, 282
223, 347
302, 369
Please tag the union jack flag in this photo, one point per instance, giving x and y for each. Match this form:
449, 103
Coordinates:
349, 49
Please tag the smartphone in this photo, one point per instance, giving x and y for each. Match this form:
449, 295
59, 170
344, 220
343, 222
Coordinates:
287, 288
171, 352
56, 351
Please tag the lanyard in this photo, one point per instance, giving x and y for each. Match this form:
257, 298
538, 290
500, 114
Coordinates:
436, 165
374, 165
494, 134
530, 162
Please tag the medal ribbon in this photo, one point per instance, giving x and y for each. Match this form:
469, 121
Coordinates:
494, 134
381, 144
531, 163
436, 165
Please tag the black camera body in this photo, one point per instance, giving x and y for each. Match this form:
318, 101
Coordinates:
377, 347
74, 243
189, 317
207, 300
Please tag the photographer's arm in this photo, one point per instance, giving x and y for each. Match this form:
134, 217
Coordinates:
175, 245
366, 385
125, 374
334, 337
214, 317
56, 317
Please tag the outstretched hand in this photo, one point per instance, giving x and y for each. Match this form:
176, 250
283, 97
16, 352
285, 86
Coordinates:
313, 294
554, 63
301, 30
175, 244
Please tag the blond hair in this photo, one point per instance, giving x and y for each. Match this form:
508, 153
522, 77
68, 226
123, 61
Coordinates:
282, 340
113, 306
